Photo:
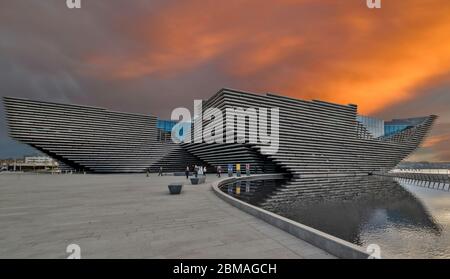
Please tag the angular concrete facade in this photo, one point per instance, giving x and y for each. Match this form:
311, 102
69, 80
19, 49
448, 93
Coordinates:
316, 139
94, 139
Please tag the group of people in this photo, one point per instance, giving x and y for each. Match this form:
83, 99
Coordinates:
198, 170
160, 171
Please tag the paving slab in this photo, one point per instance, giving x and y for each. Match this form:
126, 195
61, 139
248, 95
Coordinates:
132, 216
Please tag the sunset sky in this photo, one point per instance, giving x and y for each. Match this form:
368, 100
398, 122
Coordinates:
150, 56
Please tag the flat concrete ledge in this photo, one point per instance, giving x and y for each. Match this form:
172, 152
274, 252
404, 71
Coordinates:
333, 245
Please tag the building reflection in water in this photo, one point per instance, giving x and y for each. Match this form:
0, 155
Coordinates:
347, 207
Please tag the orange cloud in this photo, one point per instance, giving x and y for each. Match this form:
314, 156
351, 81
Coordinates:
435, 140
338, 51
391, 54
436, 146
262, 56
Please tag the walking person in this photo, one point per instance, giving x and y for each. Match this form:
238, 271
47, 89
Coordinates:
148, 172
187, 172
160, 171
195, 171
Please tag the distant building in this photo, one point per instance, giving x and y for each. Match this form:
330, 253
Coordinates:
29, 163
39, 160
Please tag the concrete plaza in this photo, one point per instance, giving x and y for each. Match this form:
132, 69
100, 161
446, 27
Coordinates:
131, 216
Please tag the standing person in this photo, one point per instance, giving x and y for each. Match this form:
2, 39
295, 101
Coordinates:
148, 172
160, 171
196, 171
204, 170
187, 172
219, 170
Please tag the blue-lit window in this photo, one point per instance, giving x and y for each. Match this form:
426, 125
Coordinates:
393, 129
166, 125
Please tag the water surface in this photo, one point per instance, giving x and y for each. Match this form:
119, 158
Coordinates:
405, 220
